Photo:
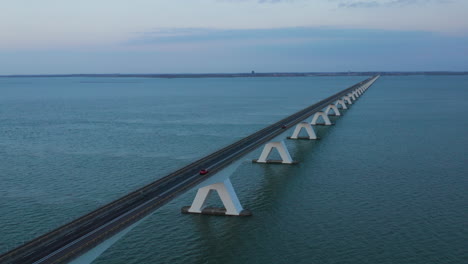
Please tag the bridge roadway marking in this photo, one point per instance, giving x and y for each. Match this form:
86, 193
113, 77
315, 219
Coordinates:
236, 150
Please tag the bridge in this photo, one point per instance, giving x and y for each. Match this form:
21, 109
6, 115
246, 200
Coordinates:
87, 232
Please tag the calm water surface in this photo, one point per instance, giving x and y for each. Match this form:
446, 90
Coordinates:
387, 184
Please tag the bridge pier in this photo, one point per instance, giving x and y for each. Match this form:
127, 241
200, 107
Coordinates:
308, 128
325, 118
334, 108
342, 103
347, 99
228, 196
351, 95
221, 184
282, 150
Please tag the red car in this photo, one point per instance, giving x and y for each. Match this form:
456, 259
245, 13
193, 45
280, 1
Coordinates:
203, 171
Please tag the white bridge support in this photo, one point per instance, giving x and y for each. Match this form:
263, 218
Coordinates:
334, 108
219, 183
225, 191
325, 118
347, 99
351, 95
282, 150
341, 103
308, 128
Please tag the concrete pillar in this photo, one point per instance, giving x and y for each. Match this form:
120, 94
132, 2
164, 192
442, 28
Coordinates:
342, 103
325, 118
225, 191
282, 150
308, 128
334, 108
347, 99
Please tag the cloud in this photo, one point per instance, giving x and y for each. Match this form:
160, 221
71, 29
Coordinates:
355, 3
360, 4
259, 1
385, 3
239, 37
208, 35
201, 50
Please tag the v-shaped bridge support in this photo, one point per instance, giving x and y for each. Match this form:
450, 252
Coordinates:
226, 192
307, 127
218, 184
322, 115
334, 108
341, 103
282, 150
347, 99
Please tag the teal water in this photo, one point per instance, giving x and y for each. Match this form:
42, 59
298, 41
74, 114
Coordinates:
387, 184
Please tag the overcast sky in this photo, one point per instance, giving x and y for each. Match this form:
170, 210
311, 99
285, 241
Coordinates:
198, 36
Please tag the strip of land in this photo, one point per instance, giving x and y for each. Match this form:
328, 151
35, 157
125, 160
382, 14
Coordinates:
233, 75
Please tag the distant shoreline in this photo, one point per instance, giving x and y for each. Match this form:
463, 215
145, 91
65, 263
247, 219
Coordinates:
234, 75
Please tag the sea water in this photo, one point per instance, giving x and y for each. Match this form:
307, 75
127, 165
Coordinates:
387, 184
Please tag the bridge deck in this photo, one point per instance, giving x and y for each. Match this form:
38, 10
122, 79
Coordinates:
77, 237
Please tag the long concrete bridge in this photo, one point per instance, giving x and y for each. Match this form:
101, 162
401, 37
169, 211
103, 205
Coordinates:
82, 235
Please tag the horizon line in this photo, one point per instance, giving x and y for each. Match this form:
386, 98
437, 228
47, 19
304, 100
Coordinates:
239, 74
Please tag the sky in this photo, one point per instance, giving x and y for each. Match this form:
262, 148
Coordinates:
227, 36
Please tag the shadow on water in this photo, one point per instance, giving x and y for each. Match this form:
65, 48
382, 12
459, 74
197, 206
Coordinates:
216, 234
